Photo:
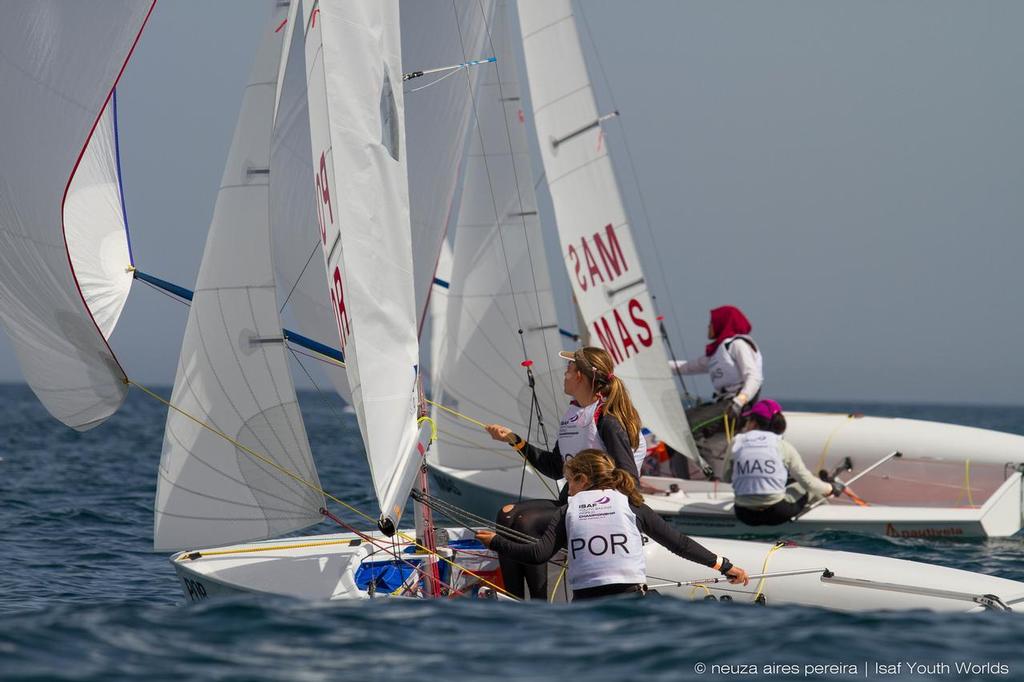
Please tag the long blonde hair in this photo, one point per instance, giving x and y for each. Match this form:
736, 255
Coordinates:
596, 365
600, 470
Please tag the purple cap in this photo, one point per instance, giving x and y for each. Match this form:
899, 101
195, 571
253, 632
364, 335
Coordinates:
764, 408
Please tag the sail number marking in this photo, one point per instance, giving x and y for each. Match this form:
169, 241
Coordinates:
325, 217
623, 331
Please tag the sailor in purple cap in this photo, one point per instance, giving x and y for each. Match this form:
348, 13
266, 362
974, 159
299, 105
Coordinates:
761, 463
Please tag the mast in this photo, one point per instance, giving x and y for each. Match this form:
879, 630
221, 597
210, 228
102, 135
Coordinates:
597, 244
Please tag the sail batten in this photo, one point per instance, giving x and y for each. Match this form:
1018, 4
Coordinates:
597, 245
235, 443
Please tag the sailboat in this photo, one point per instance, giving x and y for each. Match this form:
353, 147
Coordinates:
236, 473
951, 481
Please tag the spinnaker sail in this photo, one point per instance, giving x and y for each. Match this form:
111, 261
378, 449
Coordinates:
64, 265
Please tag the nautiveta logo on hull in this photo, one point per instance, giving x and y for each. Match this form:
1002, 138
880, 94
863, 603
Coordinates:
890, 531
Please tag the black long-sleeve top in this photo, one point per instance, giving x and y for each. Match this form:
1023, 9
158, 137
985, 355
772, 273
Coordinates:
647, 520
616, 443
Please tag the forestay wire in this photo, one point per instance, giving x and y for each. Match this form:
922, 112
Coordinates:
526, 363
309, 484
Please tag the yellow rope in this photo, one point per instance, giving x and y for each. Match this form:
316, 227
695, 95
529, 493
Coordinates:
729, 429
967, 485
828, 441
270, 548
561, 574
695, 588
457, 414
543, 479
311, 486
764, 567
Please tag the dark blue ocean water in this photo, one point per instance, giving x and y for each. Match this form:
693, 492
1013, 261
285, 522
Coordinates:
82, 597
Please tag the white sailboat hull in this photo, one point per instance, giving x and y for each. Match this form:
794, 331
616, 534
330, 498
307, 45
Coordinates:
924, 494
324, 567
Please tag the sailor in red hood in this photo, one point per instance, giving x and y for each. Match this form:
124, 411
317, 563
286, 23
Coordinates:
733, 362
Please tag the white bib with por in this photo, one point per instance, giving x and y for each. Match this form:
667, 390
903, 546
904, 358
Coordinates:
604, 544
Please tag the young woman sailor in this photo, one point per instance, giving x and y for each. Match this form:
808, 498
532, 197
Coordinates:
760, 465
601, 416
733, 361
601, 528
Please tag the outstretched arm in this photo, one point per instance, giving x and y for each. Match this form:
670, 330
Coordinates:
529, 552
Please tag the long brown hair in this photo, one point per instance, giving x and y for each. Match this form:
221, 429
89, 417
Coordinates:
600, 470
596, 365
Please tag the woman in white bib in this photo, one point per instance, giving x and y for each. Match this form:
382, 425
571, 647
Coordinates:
601, 416
733, 362
601, 528
760, 465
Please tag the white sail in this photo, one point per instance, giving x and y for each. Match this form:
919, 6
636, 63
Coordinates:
437, 33
499, 285
233, 372
60, 205
298, 259
95, 225
601, 258
354, 85
439, 314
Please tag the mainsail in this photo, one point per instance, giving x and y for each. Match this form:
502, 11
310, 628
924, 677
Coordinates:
499, 285
601, 258
233, 372
64, 265
354, 85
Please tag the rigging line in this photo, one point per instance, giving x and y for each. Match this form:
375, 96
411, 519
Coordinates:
393, 551
469, 419
316, 247
515, 177
500, 530
431, 83
636, 181
315, 385
318, 358
165, 293
461, 516
490, 182
296, 477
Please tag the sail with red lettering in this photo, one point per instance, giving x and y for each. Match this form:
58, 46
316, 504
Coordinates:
254, 477
597, 244
298, 257
64, 262
357, 132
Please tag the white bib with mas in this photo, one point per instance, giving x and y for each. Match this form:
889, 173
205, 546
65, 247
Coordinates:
757, 466
725, 374
604, 544
578, 431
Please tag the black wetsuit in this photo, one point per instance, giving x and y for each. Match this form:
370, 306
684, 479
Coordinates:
531, 517
647, 520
